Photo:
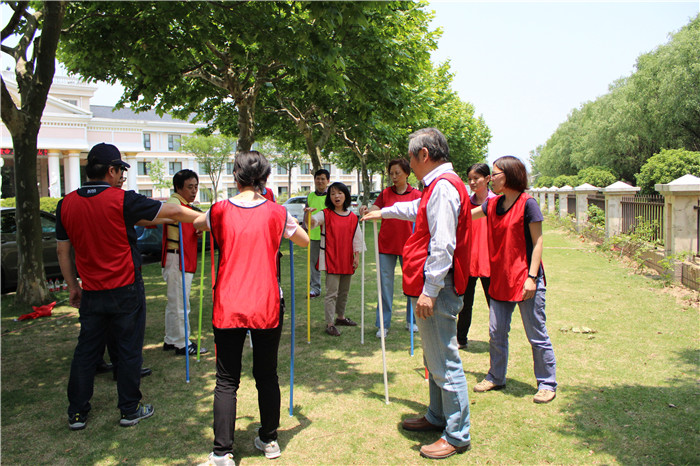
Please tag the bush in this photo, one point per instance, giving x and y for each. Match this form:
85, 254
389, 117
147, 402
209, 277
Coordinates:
47, 204
596, 215
596, 176
8, 202
666, 166
563, 180
544, 181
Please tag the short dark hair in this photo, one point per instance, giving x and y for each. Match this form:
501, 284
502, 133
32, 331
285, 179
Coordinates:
342, 188
251, 169
481, 168
402, 163
514, 171
433, 140
97, 171
183, 175
323, 171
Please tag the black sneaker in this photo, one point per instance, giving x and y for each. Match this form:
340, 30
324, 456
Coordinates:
192, 350
168, 347
132, 419
77, 421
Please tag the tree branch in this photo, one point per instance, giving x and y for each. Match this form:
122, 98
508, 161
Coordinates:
19, 9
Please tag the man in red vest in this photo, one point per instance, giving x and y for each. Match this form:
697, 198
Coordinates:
97, 220
186, 184
435, 272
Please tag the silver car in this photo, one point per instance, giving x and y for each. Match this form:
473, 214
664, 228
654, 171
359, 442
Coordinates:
295, 206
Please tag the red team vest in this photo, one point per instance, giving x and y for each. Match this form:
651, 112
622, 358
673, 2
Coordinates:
339, 233
394, 233
508, 250
269, 195
415, 252
105, 263
480, 265
189, 242
247, 293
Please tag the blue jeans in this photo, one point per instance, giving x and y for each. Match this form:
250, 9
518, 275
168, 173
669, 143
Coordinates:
534, 320
117, 317
447, 385
387, 265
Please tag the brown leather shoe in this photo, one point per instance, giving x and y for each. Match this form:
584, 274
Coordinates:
487, 385
345, 322
442, 449
332, 331
420, 424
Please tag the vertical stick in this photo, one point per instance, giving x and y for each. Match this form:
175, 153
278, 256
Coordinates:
409, 309
291, 364
362, 301
201, 293
308, 285
184, 307
381, 312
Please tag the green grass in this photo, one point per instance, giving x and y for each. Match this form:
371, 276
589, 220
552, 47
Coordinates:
628, 393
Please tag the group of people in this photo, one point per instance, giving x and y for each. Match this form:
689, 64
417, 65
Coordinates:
439, 237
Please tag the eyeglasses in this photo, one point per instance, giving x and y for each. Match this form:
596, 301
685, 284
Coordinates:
122, 179
495, 174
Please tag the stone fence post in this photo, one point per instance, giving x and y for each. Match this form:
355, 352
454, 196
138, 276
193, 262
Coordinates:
582, 193
613, 206
564, 192
682, 201
550, 199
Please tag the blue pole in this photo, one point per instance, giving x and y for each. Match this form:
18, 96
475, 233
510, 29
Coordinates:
291, 365
184, 303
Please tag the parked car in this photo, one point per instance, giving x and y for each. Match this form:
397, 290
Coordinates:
149, 240
295, 206
8, 250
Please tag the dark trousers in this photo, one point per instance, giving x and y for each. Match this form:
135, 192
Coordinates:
119, 317
464, 320
229, 348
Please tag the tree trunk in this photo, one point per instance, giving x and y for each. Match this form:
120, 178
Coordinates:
31, 279
246, 126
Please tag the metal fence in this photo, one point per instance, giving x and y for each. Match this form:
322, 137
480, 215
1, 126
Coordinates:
571, 205
648, 209
597, 200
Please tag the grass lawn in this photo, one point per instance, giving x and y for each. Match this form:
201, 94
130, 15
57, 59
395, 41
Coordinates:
628, 391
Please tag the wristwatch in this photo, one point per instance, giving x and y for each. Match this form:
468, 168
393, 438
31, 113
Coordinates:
534, 277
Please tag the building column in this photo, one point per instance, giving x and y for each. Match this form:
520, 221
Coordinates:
563, 193
132, 183
613, 206
71, 171
582, 193
54, 174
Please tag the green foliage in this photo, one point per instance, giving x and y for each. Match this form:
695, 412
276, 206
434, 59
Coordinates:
666, 166
596, 176
544, 181
564, 180
212, 153
8, 202
657, 107
596, 215
48, 204
635, 243
158, 174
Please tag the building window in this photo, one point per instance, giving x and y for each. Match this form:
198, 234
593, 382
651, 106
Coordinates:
229, 168
174, 167
203, 169
146, 192
71, 101
306, 189
282, 190
232, 192
205, 195
144, 168
281, 170
305, 170
147, 141
327, 166
174, 141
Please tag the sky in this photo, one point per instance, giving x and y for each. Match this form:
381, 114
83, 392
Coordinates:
524, 65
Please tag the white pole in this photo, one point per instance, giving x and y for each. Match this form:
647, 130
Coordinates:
381, 312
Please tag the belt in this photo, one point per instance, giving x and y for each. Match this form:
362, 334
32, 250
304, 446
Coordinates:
174, 251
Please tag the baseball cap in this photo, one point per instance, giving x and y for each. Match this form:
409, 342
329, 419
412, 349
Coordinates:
106, 154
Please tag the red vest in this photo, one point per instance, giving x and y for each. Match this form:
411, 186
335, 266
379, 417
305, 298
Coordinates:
479, 260
268, 194
97, 231
189, 241
246, 292
394, 233
415, 252
339, 233
508, 250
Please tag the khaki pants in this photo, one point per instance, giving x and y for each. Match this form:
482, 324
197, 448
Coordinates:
337, 288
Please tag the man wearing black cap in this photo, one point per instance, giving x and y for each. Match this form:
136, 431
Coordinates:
98, 221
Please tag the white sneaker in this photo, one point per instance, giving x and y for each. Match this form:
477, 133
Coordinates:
415, 327
379, 332
271, 449
213, 460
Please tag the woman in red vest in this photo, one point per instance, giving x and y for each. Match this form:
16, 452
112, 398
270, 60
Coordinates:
341, 245
479, 176
248, 229
517, 277
392, 236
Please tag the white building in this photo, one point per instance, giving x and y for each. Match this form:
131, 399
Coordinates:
70, 126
